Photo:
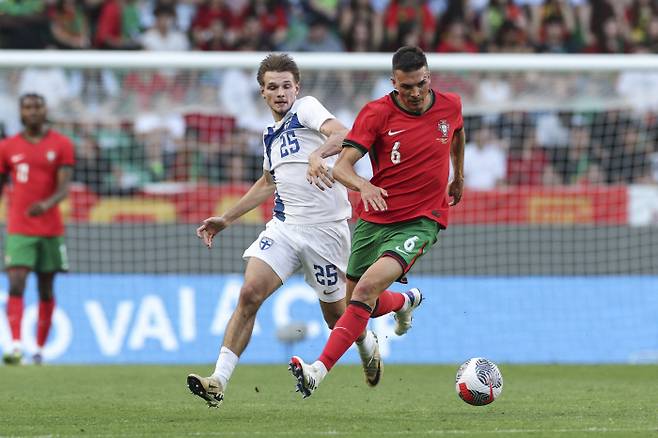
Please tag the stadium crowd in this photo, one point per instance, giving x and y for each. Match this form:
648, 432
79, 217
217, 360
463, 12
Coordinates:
136, 127
553, 26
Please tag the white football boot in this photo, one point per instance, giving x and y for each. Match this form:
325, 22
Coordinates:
403, 318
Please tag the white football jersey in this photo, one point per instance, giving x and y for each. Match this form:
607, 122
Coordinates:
288, 144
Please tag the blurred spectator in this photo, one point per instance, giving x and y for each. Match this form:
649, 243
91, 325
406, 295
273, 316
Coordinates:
408, 22
629, 161
272, 15
610, 39
496, 14
554, 38
526, 163
552, 131
320, 38
651, 43
326, 9
510, 38
161, 130
10, 123
360, 26
118, 26
551, 12
23, 24
639, 14
184, 12
92, 168
214, 26
455, 39
593, 176
575, 164
485, 160
69, 25
493, 89
49, 82
94, 92
164, 36
639, 89
252, 37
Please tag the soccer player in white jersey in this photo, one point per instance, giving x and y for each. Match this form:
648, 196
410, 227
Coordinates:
309, 230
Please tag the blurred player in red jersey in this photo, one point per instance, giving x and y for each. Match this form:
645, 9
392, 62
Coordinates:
412, 134
39, 164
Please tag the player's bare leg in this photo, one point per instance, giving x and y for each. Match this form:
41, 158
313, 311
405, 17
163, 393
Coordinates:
260, 281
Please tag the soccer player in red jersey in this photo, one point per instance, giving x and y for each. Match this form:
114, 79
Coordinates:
39, 164
412, 135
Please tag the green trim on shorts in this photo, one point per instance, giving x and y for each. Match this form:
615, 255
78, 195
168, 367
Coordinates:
404, 241
40, 254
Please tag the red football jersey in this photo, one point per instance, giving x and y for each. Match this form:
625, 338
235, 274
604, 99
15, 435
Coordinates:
33, 168
410, 155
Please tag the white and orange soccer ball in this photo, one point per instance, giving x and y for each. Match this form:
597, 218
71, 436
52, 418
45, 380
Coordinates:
479, 381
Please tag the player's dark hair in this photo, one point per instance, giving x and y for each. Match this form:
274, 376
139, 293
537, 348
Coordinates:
279, 62
25, 96
409, 58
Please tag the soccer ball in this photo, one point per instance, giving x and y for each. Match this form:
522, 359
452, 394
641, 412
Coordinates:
479, 381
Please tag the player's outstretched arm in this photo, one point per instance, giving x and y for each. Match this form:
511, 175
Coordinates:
255, 196
456, 187
372, 196
317, 172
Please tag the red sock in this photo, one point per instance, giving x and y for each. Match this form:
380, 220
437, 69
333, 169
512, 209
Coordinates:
45, 318
388, 302
347, 329
14, 316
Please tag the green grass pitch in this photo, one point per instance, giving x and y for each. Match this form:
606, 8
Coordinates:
411, 401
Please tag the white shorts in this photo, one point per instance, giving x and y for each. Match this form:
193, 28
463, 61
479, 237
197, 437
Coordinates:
321, 251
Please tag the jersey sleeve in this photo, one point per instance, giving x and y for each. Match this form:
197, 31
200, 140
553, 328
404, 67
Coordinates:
364, 131
312, 114
67, 156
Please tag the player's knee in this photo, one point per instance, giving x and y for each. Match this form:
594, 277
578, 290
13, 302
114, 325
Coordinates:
366, 291
251, 298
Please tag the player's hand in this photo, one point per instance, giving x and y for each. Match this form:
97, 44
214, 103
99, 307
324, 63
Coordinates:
373, 196
455, 190
37, 209
318, 173
210, 227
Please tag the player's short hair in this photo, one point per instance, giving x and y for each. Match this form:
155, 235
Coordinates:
25, 96
279, 62
409, 58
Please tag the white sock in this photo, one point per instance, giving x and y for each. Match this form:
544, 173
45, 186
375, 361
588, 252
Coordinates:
367, 346
225, 365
